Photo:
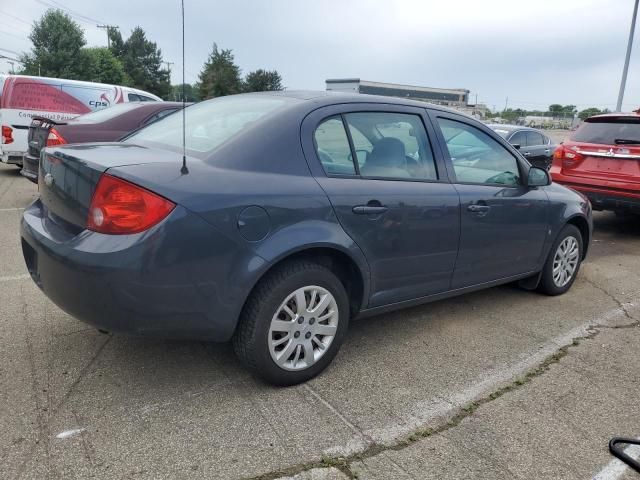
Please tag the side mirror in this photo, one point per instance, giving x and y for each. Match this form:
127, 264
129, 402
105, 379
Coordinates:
516, 146
538, 177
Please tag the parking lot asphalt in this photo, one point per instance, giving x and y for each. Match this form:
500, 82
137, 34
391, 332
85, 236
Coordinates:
502, 383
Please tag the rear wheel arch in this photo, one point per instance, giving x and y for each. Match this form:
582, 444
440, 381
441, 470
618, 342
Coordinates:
336, 260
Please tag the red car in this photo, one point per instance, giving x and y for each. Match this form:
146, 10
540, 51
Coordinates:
601, 159
107, 125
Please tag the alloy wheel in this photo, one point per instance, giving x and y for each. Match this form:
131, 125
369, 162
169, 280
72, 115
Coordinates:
565, 261
303, 328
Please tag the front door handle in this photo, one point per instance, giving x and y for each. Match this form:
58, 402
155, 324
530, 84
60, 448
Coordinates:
369, 209
480, 209
526, 154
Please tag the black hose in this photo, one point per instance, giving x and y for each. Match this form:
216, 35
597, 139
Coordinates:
618, 451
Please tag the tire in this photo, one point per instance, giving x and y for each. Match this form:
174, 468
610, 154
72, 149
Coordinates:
559, 285
265, 322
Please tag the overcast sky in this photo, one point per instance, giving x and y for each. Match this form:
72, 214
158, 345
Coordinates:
533, 52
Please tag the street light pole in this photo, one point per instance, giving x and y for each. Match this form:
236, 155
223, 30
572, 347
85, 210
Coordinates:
623, 82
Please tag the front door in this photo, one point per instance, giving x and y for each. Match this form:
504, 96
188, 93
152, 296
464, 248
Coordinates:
390, 195
503, 222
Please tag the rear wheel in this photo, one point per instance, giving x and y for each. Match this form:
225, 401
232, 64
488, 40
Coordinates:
562, 265
293, 324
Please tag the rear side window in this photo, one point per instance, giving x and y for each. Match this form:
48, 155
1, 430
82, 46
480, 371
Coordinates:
609, 132
534, 139
397, 147
332, 146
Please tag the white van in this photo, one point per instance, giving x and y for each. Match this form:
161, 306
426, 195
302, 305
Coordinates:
22, 97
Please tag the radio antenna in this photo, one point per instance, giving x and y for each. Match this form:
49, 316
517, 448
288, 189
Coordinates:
184, 170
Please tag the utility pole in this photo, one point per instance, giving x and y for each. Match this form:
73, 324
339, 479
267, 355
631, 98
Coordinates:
625, 69
506, 102
168, 64
108, 28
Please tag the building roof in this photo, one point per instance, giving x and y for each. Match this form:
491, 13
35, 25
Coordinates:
396, 85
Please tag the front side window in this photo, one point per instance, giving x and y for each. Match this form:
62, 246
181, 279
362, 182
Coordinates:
476, 157
396, 145
332, 146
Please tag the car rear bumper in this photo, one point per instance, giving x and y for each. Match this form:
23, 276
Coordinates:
14, 158
608, 199
169, 281
30, 168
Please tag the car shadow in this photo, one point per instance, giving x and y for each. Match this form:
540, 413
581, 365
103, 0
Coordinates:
609, 224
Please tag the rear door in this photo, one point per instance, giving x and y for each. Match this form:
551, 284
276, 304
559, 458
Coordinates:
503, 222
538, 151
390, 192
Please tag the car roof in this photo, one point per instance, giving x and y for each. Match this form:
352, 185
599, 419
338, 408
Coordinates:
510, 128
635, 114
325, 98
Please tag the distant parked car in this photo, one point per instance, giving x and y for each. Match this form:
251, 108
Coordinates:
106, 125
23, 97
296, 212
536, 147
601, 159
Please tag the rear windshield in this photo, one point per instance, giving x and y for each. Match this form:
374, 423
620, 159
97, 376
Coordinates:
607, 131
209, 124
106, 113
500, 131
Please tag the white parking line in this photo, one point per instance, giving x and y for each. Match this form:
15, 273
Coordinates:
443, 406
12, 278
615, 468
70, 433
12, 209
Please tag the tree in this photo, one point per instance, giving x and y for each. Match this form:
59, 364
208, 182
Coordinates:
220, 75
105, 67
556, 109
116, 44
262, 81
57, 49
142, 62
191, 93
589, 112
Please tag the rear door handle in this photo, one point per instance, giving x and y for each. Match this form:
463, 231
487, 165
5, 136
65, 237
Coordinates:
369, 210
526, 154
479, 208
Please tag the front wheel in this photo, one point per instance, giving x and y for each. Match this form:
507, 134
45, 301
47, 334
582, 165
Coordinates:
293, 323
562, 266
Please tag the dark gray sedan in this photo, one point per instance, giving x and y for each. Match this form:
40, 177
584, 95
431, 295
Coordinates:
291, 214
536, 147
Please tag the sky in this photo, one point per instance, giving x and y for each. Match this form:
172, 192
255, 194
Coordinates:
526, 54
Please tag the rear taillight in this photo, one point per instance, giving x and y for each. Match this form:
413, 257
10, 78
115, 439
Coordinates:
120, 207
7, 134
55, 138
567, 157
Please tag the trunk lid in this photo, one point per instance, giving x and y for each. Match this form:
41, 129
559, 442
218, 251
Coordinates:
38, 133
69, 176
